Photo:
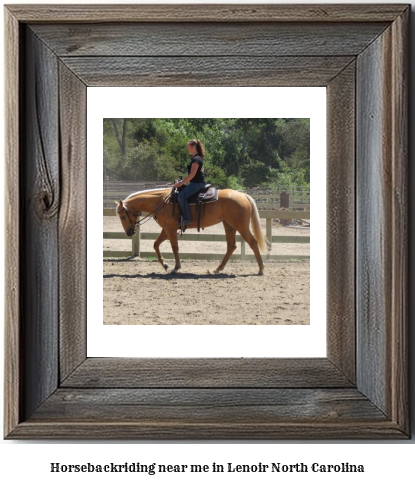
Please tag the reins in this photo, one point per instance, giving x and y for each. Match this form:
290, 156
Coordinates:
151, 214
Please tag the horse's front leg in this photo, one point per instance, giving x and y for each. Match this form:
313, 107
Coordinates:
161, 238
172, 235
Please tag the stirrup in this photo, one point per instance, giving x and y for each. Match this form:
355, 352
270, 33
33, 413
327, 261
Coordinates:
183, 225
183, 222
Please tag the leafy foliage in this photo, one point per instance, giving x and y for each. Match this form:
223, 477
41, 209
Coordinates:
239, 152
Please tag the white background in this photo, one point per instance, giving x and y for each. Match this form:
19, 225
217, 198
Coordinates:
386, 463
207, 341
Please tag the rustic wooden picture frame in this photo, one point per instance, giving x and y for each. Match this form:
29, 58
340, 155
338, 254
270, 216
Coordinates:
360, 53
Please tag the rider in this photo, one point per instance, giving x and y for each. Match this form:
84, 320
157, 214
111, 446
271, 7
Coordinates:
195, 177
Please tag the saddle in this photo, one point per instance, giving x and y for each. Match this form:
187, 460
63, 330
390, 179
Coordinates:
207, 194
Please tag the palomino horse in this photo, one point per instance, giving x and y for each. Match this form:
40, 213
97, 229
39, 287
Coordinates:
235, 209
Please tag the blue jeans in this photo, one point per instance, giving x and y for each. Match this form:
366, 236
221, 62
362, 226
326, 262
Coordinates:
187, 192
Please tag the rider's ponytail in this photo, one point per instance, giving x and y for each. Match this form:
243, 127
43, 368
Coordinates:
199, 147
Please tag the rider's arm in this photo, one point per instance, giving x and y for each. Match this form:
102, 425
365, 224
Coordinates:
189, 177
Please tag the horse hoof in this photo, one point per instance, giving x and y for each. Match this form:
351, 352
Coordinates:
173, 271
166, 267
217, 270
260, 272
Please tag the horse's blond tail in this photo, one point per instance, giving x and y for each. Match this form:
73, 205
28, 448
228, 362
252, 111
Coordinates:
263, 243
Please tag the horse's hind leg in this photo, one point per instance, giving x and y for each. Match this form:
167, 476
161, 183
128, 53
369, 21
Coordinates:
250, 239
231, 243
161, 238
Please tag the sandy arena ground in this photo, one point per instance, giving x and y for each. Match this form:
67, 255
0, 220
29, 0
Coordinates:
138, 291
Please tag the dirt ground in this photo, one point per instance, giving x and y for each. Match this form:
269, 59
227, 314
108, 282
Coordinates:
138, 291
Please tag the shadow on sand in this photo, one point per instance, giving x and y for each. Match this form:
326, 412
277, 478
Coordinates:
178, 276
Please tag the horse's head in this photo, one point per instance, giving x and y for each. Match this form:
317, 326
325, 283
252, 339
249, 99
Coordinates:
128, 219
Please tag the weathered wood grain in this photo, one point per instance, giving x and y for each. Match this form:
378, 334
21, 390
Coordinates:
206, 373
373, 225
400, 246
40, 205
206, 71
207, 13
12, 214
341, 236
188, 430
72, 222
209, 39
206, 399
382, 222
209, 405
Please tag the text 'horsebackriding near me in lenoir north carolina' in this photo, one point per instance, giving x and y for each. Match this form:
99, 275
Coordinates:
235, 209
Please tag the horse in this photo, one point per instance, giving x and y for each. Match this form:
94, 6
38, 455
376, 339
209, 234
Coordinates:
234, 209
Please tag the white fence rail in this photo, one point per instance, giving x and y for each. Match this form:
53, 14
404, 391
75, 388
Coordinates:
267, 214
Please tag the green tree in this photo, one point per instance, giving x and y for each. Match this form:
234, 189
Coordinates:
145, 161
249, 152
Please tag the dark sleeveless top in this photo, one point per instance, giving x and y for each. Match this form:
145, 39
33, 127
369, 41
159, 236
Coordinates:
199, 177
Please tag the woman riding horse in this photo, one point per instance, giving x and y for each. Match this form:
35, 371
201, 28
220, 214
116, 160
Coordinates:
195, 178
236, 210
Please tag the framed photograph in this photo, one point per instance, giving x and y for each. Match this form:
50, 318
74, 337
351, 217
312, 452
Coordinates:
142, 310
359, 390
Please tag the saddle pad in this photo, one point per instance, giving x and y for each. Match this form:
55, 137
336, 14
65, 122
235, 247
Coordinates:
211, 195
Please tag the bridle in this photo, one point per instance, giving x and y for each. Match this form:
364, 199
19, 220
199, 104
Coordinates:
147, 217
132, 226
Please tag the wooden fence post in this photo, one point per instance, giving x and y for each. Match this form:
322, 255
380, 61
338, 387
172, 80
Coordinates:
284, 200
269, 230
136, 242
242, 249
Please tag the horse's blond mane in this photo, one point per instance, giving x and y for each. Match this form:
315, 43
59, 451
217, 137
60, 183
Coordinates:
141, 192
155, 192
